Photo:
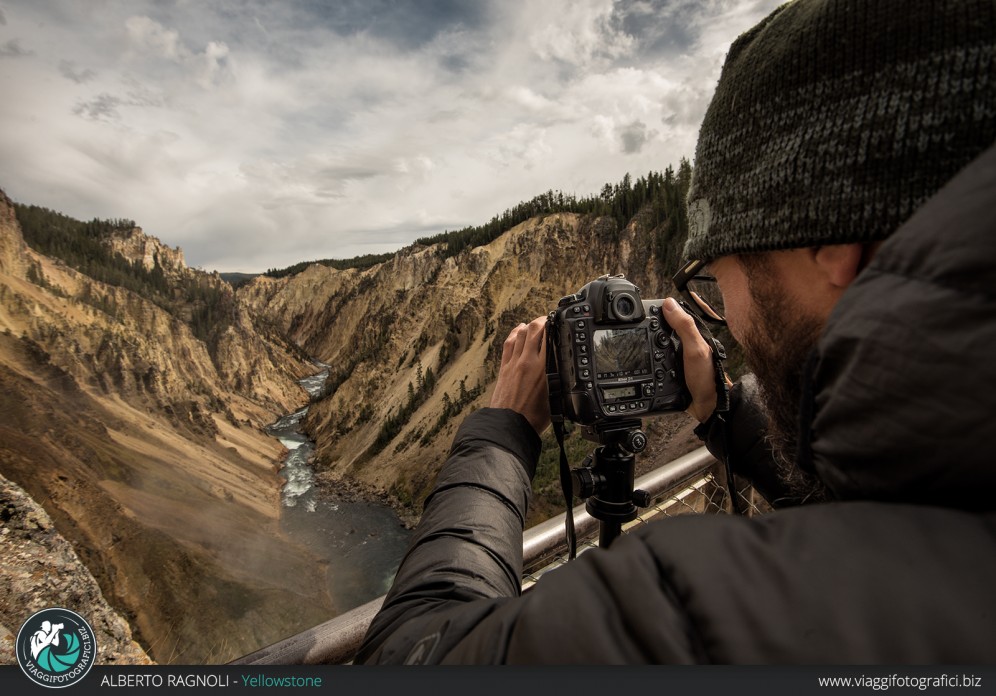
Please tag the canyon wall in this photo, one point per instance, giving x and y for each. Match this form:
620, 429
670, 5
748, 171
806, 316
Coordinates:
414, 343
144, 444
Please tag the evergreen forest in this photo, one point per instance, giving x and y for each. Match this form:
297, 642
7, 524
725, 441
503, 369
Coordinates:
204, 302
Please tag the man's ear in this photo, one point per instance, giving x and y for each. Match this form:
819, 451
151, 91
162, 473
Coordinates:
840, 263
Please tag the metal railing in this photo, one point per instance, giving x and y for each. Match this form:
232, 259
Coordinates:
692, 484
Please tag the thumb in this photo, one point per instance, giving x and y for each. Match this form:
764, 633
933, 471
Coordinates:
683, 324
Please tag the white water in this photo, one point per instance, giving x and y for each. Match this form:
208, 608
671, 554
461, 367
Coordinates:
363, 542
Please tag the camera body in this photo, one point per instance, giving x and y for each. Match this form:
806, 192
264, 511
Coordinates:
616, 356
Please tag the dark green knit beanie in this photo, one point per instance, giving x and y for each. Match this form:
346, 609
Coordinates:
834, 120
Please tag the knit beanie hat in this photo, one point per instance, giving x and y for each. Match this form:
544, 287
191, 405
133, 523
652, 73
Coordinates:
834, 120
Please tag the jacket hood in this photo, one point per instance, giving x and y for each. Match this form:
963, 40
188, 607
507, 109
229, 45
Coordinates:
903, 381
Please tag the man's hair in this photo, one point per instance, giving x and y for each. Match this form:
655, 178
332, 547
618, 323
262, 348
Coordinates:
834, 120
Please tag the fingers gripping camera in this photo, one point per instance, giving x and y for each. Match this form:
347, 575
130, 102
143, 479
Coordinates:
616, 356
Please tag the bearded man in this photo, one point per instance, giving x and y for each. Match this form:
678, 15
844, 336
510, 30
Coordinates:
842, 200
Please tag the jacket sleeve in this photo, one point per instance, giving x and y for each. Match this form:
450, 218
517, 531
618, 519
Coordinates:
466, 553
752, 456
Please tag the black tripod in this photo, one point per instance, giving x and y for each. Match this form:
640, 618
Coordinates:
606, 478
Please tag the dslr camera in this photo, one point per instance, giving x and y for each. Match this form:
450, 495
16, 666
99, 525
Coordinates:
616, 357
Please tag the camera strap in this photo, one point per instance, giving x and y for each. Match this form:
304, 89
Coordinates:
722, 404
718, 356
722, 407
557, 420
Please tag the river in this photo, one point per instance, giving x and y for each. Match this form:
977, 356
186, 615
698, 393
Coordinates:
362, 541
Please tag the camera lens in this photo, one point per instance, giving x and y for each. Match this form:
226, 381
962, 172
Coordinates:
624, 307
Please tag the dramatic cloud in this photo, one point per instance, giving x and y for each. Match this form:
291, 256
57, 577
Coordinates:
257, 134
13, 49
69, 71
635, 136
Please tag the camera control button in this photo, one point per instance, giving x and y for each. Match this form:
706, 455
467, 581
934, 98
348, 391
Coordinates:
576, 309
661, 339
580, 324
654, 325
585, 374
583, 336
583, 361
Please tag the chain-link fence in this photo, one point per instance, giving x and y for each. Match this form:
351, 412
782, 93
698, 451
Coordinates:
698, 488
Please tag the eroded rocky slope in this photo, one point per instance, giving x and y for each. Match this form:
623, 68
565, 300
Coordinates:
414, 343
143, 442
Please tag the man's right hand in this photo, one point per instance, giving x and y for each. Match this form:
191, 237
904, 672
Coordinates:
521, 383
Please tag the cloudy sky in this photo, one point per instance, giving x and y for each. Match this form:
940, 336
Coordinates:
255, 134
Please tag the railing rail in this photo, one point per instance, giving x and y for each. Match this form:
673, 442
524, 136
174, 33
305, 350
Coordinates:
337, 640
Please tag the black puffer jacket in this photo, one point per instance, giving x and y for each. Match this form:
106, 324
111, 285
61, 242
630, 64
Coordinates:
901, 570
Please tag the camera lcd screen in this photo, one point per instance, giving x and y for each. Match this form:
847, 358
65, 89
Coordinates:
622, 352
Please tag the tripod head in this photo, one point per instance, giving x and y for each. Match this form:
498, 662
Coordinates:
627, 434
606, 479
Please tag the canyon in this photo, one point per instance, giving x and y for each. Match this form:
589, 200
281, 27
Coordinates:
137, 419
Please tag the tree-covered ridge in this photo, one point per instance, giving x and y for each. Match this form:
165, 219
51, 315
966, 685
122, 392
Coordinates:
82, 246
203, 302
237, 280
360, 262
658, 194
661, 194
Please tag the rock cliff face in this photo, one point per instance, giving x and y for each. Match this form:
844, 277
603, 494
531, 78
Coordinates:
144, 444
12, 247
414, 343
42, 570
135, 245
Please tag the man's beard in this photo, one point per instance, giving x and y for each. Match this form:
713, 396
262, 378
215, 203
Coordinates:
777, 343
